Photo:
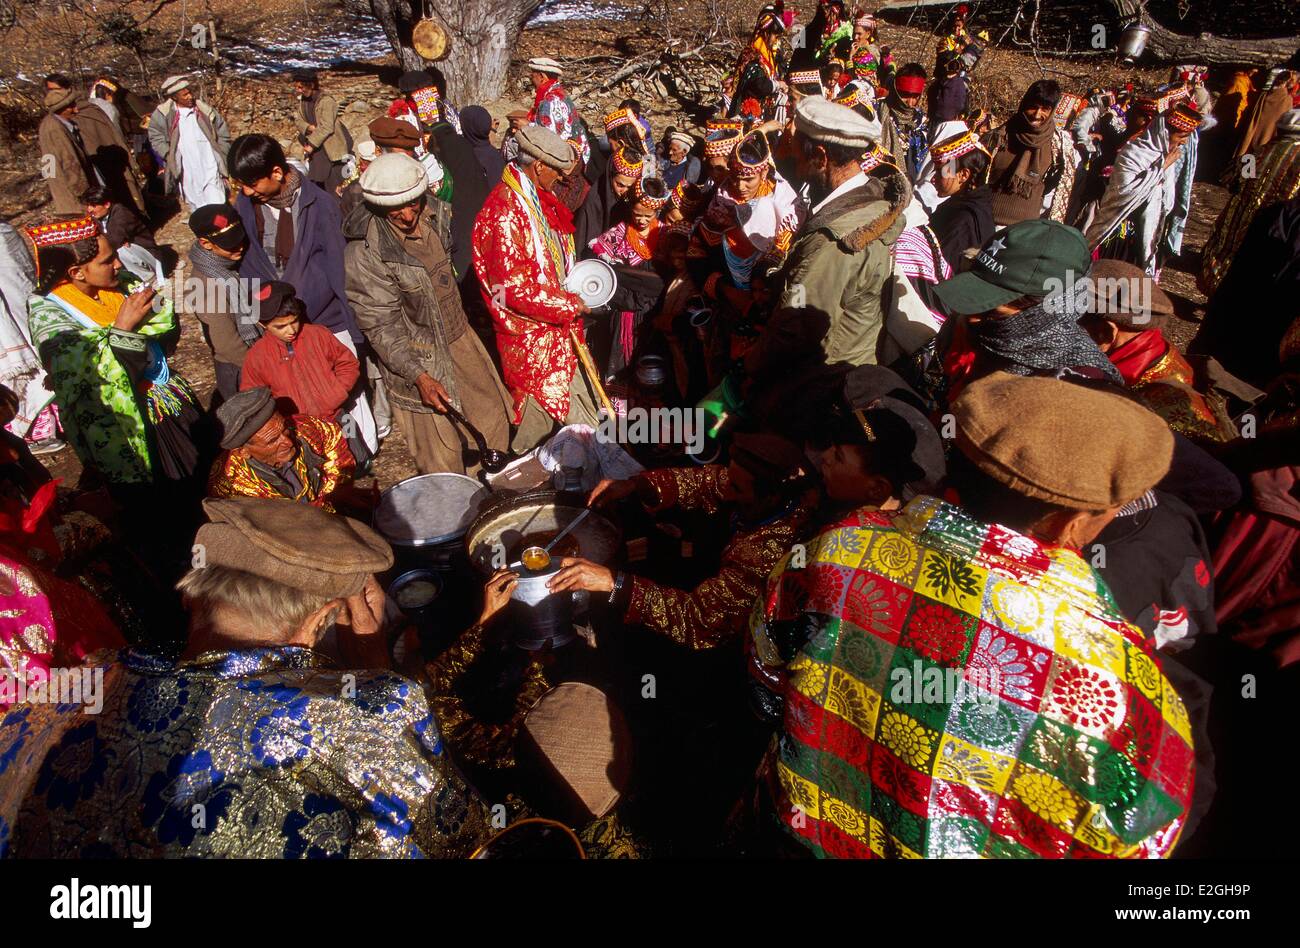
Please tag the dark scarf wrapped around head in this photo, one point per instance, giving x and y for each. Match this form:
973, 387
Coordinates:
1043, 338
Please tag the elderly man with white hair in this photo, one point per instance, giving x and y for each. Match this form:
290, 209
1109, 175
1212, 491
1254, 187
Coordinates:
402, 288
192, 139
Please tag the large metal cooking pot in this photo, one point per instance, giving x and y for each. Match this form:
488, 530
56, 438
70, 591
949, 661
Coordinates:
496, 537
429, 514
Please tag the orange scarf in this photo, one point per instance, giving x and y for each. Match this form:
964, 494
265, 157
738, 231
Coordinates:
102, 309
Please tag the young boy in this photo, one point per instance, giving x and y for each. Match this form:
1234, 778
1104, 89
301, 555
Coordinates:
307, 369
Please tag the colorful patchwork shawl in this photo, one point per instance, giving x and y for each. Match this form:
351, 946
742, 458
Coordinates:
1062, 738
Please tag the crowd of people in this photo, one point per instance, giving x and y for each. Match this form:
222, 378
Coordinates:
971, 516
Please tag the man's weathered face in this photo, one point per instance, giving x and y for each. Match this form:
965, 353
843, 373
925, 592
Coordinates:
620, 184
810, 169
284, 327
676, 152
545, 176
185, 98
1036, 115
264, 189
537, 78
273, 444
101, 272
407, 217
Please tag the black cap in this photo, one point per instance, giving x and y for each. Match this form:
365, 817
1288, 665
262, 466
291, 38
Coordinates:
220, 224
271, 298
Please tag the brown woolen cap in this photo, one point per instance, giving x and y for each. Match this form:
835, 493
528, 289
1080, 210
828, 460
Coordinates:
292, 544
1125, 295
389, 132
1063, 443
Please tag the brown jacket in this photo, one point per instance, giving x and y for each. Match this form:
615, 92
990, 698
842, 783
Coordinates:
64, 166
329, 133
108, 150
206, 300
402, 307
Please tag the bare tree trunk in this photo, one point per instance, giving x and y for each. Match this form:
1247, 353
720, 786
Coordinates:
1207, 48
396, 18
483, 36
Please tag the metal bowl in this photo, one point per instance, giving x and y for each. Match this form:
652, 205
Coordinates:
416, 612
593, 280
504, 520
429, 509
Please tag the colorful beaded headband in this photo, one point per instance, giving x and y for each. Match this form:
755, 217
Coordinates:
426, 104
618, 118
56, 233
873, 158
956, 146
808, 77
63, 232
721, 124
1183, 118
625, 165
738, 163
654, 201
721, 143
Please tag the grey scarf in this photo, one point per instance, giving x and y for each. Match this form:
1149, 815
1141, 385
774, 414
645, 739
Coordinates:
239, 301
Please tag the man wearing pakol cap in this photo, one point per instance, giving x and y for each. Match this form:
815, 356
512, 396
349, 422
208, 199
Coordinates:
192, 139
553, 109
349, 191
679, 164
523, 250
223, 302
99, 119
396, 135
402, 287
1124, 312
325, 140
301, 458
769, 505
281, 723
64, 164
840, 259
1014, 310
945, 663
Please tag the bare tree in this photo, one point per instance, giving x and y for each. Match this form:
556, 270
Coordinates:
483, 37
1169, 46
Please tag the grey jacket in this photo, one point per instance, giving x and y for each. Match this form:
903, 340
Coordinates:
840, 264
165, 133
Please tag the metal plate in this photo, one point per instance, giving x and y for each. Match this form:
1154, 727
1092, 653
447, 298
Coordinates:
593, 280
429, 509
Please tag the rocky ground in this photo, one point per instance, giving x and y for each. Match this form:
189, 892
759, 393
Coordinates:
264, 103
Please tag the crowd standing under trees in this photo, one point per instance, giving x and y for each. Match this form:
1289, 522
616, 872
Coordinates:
976, 539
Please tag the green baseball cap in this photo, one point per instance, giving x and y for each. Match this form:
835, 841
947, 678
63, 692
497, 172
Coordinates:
1030, 258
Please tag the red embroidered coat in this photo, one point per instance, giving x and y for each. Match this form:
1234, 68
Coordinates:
530, 310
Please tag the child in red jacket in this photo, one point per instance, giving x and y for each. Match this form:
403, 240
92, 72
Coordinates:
302, 363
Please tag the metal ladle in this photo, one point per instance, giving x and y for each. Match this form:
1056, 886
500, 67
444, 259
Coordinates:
491, 460
536, 553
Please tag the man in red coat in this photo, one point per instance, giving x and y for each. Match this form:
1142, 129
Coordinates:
523, 250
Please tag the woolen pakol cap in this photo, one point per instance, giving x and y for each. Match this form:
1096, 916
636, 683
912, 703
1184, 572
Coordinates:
292, 544
393, 180
1063, 443
1031, 258
543, 144
826, 122
242, 415
545, 64
389, 132
174, 84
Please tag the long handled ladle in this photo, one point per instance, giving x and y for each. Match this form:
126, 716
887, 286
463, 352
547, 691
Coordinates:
490, 459
539, 557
